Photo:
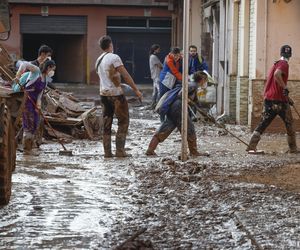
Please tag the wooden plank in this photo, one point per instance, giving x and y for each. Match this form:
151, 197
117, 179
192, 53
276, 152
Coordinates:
70, 105
5, 92
63, 136
69, 121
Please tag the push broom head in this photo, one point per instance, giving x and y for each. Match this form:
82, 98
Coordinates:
256, 152
66, 152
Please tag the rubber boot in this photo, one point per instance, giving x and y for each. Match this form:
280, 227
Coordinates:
192, 143
38, 138
27, 147
255, 138
106, 140
152, 146
293, 149
120, 146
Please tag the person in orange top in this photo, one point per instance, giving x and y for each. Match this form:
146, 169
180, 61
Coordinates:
171, 73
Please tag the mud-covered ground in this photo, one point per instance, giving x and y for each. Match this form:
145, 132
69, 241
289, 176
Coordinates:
230, 200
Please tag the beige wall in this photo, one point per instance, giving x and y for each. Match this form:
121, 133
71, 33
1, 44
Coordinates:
261, 17
283, 28
195, 27
277, 24
270, 25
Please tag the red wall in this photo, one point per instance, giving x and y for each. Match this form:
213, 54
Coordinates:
96, 15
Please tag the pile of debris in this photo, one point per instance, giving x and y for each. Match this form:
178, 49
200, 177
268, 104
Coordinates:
6, 67
62, 110
69, 118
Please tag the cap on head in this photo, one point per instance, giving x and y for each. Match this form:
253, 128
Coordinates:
286, 51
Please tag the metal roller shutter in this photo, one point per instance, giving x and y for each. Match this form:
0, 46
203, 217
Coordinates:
33, 24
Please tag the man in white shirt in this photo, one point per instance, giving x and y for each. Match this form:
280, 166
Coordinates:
110, 68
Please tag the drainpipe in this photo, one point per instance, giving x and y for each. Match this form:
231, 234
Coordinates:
226, 80
226, 97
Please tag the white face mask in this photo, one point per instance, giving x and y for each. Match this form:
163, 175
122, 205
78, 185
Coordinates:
51, 73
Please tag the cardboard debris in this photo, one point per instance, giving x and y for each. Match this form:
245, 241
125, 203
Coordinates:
6, 65
63, 136
67, 115
69, 105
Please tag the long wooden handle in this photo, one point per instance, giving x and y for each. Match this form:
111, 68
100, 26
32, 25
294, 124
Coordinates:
218, 124
41, 113
292, 103
46, 120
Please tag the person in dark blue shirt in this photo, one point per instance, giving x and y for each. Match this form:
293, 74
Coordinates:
196, 61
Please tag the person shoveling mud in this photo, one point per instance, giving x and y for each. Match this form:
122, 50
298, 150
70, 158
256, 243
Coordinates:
171, 109
34, 90
277, 102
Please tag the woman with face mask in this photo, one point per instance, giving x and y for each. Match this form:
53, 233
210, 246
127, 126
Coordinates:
37, 82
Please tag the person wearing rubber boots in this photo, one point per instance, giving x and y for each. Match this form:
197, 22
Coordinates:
155, 68
44, 53
277, 102
110, 68
33, 93
174, 117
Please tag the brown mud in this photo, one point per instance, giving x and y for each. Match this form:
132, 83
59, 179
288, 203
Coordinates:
230, 200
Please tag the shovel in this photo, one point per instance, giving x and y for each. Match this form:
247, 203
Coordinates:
223, 127
61, 152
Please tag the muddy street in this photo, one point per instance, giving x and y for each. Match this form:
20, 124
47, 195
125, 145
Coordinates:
229, 200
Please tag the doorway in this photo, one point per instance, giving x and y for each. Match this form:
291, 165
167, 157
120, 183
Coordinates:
66, 35
67, 53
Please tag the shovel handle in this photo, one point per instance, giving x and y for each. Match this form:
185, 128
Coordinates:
41, 113
296, 111
292, 103
218, 124
46, 120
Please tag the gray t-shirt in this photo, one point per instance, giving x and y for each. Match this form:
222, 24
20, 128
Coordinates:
155, 66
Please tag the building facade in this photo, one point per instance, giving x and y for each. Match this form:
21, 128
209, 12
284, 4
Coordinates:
72, 28
241, 39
